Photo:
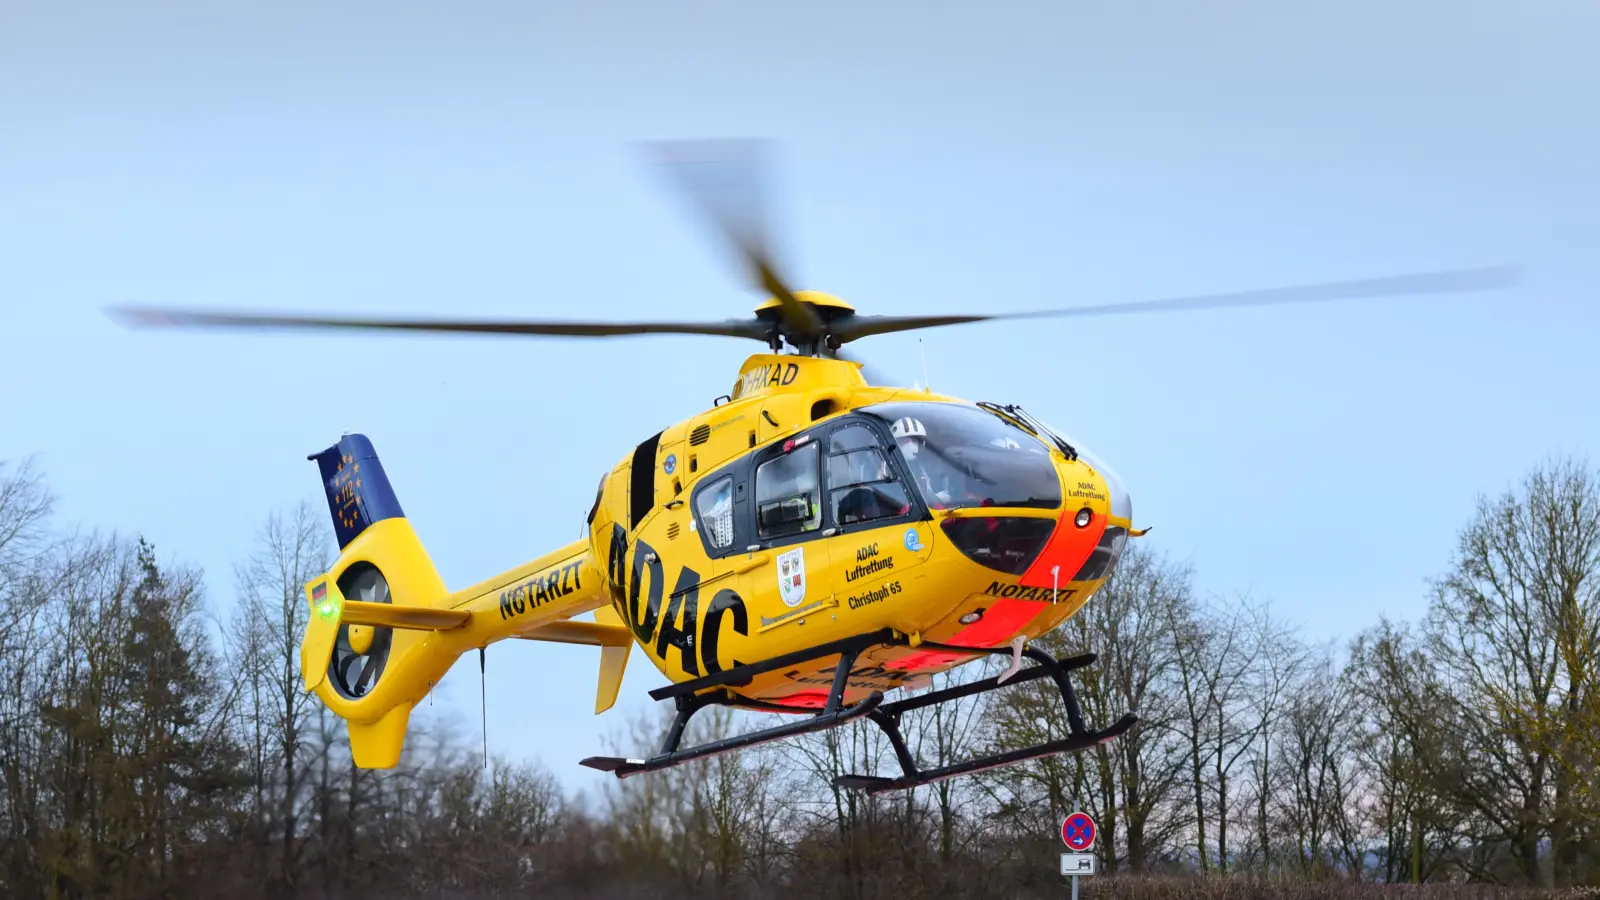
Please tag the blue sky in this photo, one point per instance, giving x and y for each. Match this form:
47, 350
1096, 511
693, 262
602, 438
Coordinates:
472, 158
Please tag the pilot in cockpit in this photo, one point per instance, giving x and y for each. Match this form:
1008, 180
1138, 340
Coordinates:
911, 436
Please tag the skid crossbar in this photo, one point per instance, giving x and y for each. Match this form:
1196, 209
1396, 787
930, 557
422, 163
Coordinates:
834, 714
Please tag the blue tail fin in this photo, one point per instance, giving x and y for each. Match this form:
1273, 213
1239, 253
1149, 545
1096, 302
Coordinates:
358, 491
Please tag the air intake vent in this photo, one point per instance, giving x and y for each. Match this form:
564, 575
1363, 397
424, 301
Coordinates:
672, 531
699, 435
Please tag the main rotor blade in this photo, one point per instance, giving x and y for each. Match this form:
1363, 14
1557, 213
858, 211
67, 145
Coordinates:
873, 375
724, 181
1460, 280
179, 318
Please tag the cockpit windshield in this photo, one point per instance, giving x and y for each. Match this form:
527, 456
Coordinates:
961, 456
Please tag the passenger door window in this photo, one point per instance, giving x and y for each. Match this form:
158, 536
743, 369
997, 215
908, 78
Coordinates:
788, 494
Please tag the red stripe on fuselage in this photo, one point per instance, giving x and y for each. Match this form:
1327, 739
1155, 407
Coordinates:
1068, 550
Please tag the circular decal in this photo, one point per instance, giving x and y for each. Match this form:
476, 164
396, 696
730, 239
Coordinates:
913, 540
670, 464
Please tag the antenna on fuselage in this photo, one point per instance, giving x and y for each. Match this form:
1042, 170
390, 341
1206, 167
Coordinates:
483, 700
926, 386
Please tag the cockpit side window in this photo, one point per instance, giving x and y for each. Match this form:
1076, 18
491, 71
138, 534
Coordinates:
714, 506
788, 493
862, 485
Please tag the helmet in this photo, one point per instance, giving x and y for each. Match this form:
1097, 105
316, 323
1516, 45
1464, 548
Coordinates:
910, 435
908, 427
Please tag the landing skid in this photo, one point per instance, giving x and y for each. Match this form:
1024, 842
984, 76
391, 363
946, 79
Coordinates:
834, 713
887, 718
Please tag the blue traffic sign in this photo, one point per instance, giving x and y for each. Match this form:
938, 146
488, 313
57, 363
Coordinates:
1078, 831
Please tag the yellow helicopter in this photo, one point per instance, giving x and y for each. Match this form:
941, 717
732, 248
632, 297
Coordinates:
808, 545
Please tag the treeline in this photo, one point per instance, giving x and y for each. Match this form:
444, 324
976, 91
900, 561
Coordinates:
155, 742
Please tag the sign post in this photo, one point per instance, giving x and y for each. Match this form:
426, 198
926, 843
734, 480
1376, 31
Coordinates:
1078, 833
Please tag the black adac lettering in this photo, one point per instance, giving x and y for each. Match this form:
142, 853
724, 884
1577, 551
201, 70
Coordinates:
726, 601
789, 372
863, 568
1087, 490
685, 596
617, 569
643, 618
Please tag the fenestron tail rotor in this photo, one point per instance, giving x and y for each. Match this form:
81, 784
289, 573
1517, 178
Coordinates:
361, 651
724, 181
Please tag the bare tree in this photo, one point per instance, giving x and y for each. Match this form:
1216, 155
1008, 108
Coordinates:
293, 547
1515, 632
1317, 802
1128, 625
1405, 726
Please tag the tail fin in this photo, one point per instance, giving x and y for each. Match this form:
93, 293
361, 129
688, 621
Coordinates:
356, 498
375, 610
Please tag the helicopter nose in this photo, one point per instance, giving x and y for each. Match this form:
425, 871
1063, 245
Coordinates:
1113, 538
1121, 501
1084, 545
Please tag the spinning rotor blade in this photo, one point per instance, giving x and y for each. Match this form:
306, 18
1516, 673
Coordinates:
725, 182
1458, 280
873, 375
148, 317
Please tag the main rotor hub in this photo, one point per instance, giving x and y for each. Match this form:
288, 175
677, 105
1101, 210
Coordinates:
827, 308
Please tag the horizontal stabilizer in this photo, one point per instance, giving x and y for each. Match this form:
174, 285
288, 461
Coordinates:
591, 634
330, 609
606, 632
393, 615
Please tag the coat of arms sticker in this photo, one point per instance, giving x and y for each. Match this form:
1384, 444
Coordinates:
792, 576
